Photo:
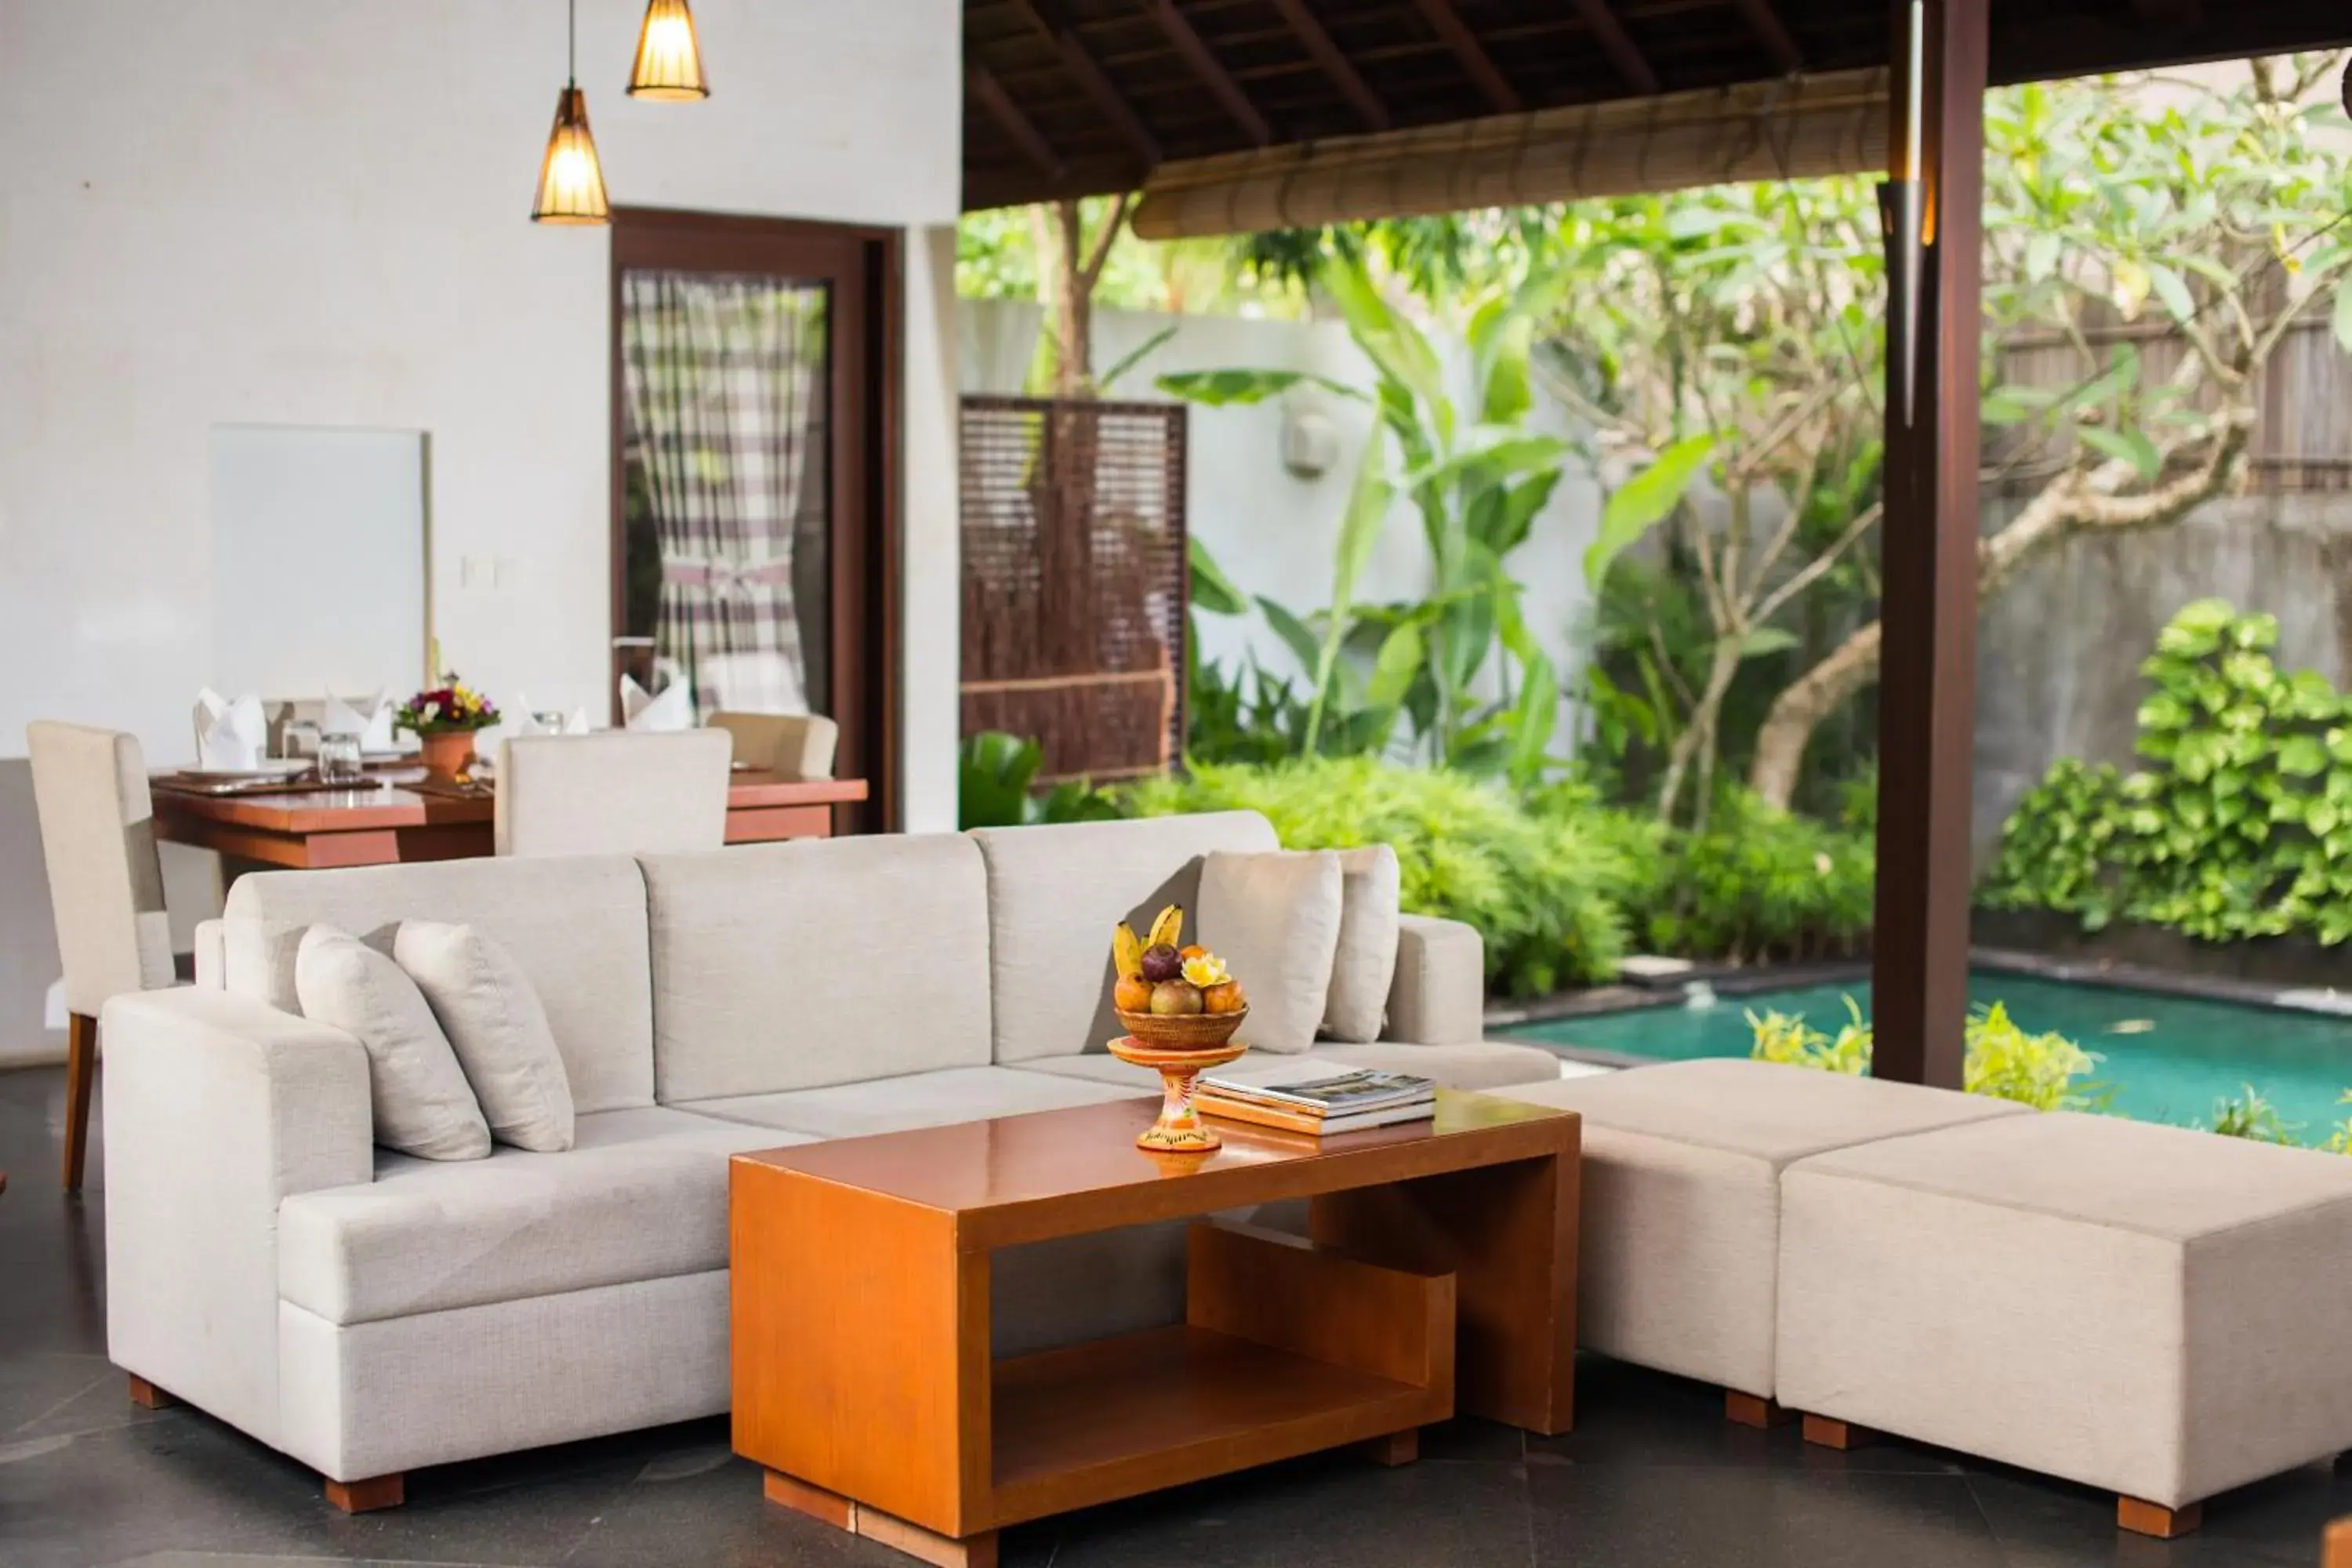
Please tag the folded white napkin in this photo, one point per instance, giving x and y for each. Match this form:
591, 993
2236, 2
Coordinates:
370, 717
673, 710
230, 733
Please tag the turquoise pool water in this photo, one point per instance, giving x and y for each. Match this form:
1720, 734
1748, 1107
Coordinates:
2168, 1058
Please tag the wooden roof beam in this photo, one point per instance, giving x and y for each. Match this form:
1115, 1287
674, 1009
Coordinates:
1046, 19
1766, 24
1334, 65
1480, 67
1610, 34
1214, 77
982, 84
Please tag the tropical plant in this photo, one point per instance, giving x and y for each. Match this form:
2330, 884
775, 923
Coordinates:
996, 777
2242, 827
1755, 884
1537, 888
1458, 667
2249, 1115
2003, 1061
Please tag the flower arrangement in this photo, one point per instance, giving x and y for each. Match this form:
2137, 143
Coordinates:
451, 709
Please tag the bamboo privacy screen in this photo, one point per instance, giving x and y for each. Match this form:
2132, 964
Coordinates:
1074, 580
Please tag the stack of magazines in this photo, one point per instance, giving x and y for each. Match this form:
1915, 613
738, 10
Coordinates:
1332, 1100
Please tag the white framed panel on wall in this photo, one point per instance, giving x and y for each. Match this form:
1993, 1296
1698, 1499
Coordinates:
321, 560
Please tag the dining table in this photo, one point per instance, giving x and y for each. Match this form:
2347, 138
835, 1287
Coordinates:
399, 814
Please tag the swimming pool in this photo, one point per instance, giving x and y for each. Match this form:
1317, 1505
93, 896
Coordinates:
2168, 1058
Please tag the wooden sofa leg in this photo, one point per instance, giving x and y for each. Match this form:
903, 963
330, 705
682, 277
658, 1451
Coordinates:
1396, 1449
1751, 1410
2155, 1519
367, 1496
1826, 1432
146, 1395
81, 1068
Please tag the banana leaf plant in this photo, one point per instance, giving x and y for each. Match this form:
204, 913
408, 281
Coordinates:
1457, 667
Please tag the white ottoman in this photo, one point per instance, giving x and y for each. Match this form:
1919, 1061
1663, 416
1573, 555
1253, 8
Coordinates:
1680, 1242
2151, 1311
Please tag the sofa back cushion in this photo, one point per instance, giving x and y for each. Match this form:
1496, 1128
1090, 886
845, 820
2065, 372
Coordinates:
1054, 894
801, 966
576, 927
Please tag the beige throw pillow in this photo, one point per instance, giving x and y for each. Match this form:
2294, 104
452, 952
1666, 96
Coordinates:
490, 1011
422, 1104
1274, 918
1365, 965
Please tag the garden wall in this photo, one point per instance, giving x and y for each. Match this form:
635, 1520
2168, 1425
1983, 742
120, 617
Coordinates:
1273, 529
2058, 655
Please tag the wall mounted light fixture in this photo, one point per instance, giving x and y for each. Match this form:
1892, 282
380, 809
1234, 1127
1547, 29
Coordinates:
669, 58
571, 180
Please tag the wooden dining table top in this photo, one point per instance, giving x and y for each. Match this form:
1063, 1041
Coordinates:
381, 802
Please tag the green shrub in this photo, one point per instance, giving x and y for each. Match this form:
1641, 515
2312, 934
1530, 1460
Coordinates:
2241, 827
2249, 1116
2003, 1061
995, 775
1539, 885
1758, 884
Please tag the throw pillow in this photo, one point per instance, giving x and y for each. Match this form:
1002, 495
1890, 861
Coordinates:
422, 1104
490, 1009
1274, 918
1365, 966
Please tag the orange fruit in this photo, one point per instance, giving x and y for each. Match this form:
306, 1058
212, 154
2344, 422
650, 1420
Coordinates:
1225, 998
1133, 994
1194, 951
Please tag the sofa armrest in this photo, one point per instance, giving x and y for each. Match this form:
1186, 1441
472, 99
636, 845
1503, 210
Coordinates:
217, 1107
1439, 996
212, 955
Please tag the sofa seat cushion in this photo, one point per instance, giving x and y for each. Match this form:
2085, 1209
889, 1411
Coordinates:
2150, 1310
641, 1194
1488, 1066
1679, 1251
919, 1100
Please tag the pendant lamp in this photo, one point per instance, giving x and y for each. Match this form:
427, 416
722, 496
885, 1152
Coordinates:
670, 60
571, 180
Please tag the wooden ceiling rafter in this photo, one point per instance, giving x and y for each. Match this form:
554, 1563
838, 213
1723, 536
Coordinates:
1316, 41
1447, 23
1213, 76
1772, 33
1619, 46
981, 83
1046, 18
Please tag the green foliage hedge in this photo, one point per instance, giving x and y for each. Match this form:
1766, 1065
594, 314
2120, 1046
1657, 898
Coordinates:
2241, 827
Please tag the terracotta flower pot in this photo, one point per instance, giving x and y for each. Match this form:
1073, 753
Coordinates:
448, 755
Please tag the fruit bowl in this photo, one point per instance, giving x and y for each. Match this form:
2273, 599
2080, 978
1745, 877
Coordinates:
1183, 1031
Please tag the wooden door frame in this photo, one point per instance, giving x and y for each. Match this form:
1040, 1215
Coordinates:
866, 264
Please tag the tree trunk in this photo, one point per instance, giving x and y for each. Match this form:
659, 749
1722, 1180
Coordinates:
1694, 747
2075, 501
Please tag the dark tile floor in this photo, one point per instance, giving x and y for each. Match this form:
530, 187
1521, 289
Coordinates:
1653, 1477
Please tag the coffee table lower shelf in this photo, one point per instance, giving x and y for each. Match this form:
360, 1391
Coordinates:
1110, 1419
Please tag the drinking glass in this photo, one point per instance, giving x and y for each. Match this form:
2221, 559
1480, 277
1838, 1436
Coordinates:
338, 760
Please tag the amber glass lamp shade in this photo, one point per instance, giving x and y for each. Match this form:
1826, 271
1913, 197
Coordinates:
570, 181
670, 60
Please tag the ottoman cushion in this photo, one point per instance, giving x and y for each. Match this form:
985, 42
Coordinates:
2152, 1310
1679, 1246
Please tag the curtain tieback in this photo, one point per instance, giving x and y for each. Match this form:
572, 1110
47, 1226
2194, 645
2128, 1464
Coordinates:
726, 576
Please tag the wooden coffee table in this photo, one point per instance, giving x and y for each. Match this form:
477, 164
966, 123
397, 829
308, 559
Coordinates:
1441, 1276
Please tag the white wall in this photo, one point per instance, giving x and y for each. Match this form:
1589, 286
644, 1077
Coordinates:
250, 211
1273, 531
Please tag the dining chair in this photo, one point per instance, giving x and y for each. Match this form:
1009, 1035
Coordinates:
615, 791
797, 746
106, 891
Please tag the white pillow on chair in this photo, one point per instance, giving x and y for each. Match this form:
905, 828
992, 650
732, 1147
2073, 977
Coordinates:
421, 1103
1365, 966
491, 1013
1274, 918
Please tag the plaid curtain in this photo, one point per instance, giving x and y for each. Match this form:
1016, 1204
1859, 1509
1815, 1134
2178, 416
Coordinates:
724, 380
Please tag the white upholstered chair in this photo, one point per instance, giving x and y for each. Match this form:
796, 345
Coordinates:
106, 891
617, 792
797, 746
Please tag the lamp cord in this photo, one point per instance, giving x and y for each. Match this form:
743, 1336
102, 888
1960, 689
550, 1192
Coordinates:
572, 43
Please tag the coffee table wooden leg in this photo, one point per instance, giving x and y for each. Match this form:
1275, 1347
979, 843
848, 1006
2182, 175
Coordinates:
1507, 1234
1396, 1449
831, 1508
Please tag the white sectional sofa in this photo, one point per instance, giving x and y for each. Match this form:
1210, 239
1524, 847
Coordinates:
368, 1313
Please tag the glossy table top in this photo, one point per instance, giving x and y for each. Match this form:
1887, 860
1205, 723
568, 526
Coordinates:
372, 805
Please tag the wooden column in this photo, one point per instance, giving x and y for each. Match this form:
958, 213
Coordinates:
1927, 695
